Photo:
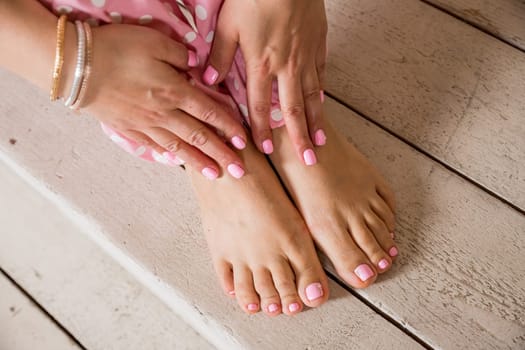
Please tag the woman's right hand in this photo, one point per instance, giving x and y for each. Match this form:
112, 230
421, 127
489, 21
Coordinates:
136, 90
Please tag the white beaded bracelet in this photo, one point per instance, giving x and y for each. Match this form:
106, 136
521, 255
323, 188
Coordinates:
81, 65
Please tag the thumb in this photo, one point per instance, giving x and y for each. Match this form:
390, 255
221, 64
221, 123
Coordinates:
222, 51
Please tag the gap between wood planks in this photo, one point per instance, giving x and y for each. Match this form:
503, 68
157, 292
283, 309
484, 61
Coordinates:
427, 154
478, 27
41, 308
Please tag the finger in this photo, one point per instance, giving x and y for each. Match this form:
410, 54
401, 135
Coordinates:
259, 89
181, 150
223, 50
199, 105
198, 135
314, 109
176, 54
160, 154
292, 107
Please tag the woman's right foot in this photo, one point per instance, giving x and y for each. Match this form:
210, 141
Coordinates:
260, 246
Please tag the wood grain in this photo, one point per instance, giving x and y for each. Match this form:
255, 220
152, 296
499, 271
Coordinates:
503, 18
441, 84
149, 212
25, 326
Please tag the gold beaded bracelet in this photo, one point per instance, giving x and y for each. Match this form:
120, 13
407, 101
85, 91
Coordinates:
59, 57
87, 69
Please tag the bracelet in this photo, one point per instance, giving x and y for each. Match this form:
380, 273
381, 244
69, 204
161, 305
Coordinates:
87, 70
59, 57
81, 61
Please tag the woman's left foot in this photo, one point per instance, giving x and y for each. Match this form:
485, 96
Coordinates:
347, 205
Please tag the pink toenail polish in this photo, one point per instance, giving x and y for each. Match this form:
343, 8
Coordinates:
321, 93
393, 235
273, 308
383, 264
210, 75
314, 291
294, 307
235, 171
238, 142
231, 292
193, 59
267, 146
210, 174
253, 307
309, 157
320, 138
393, 252
364, 272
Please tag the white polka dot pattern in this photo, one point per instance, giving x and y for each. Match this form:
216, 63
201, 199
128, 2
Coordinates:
98, 3
190, 37
201, 12
146, 19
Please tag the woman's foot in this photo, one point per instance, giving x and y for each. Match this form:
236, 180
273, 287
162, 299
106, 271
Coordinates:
347, 206
260, 246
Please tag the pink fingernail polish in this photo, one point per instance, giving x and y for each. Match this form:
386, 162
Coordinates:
322, 96
294, 307
364, 272
383, 264
309, 157
393, 252
273, 308
253, 307
238, 142
235, 171
314, 291
267, 146
210, 75
193, 59
172, 158
320, 138
210, 174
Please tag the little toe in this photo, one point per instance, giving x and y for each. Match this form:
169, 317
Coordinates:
244, 289
225, 274
384, 191
368, 243
383, 237
270, 300
284, 281
381, 208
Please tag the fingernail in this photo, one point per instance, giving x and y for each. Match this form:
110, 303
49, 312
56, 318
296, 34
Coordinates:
322, 96
320, 138
210, 75
309, 157
252, 307
193, 59
235, 171
231, 292
238, 142
267, 146
314, 291
294, 307
383, 264
210, 174
172, 158
393, 252
364, 272
273, 308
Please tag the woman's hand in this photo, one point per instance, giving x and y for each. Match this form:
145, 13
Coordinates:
283, 39
135, 89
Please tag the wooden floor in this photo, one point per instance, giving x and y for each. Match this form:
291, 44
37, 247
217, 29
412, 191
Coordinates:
433, 92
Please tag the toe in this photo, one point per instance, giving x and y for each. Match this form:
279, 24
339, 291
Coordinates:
284, 281
225, 273
383, 237
367, 242
244, 289
381, 208
384, 191
270, 300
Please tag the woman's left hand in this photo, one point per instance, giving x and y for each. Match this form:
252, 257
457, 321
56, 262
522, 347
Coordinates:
283, 40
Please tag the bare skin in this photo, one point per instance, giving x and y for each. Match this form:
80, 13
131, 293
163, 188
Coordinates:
346, 204
260, 246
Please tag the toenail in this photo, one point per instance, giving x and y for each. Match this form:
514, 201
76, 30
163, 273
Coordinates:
253, 307
393, 251
364, 272
273, 308
314, 291
383, 264
309, 157
231, 292
294, 307
392, 234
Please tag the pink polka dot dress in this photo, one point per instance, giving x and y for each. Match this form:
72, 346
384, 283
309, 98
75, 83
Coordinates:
191, 22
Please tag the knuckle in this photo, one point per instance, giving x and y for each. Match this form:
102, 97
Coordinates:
173, 145
287, 286
295, 111
198, 137
209, 116
312, 94
261, 108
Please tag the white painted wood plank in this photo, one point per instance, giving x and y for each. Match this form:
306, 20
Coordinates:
503, 18
150, 217
440, 83
24, 326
